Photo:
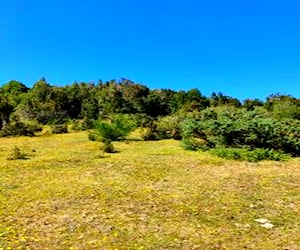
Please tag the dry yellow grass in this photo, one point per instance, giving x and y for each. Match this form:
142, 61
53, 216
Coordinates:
150, 195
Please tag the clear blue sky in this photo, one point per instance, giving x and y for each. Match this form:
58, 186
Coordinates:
248, 48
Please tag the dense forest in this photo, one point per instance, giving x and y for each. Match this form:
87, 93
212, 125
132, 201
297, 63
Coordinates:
223, 124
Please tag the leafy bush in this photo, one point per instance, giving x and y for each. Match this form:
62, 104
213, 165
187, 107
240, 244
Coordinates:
255, 155
82, 125
170, 126
194, 143
18, 128
148, 134
93, 136
113, 129
236, 128
59, 129
166, 127
108, 147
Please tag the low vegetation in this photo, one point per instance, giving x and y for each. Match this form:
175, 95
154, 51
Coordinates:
237, 134
250, 130
151, 195
113, 129
235, 187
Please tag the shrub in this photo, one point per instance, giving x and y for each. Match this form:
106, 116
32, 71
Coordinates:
59, 129
166, 127
255, 155
82, 125
17, 154
170, 126
111, 130
108, 147
148, 134
195, 144
234, 128
18, 128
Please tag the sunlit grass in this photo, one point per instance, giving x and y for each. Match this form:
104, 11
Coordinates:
150, 195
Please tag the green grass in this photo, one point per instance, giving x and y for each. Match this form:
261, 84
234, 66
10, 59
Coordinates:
150, 195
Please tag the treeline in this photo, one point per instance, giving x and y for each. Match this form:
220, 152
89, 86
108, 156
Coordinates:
49, 104
217, 121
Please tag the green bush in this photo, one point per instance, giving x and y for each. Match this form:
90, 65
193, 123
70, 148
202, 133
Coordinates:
195, 144
82, 125
148, 134
170, 126
18, 128
108, 147
59, 129
255, 155
113, 129
238, 128
166, 127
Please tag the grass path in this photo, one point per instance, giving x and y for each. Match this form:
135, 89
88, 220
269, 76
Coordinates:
150, 195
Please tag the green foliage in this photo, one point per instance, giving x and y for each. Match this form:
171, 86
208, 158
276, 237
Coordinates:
171, 126
222, 100
113, 129
208, 122
286, 110
250, 104
237, 128
17, 154
165, 127
19, 128
59, 129
157, 103
82, 125
108, 147
254, 155
148, 134
193, 143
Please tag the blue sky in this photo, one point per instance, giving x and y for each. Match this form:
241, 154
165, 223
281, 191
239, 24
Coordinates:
244, 49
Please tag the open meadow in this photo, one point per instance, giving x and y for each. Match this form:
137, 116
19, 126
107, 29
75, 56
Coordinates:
149, 195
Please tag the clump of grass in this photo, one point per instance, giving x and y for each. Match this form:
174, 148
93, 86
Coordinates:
17, 154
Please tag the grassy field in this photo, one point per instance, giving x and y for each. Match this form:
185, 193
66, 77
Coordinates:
150, 195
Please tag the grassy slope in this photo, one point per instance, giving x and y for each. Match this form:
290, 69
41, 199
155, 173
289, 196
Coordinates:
151, 195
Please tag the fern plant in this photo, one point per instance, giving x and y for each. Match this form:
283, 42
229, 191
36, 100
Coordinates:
114, 129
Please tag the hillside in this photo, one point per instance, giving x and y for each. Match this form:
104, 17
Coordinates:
150, 195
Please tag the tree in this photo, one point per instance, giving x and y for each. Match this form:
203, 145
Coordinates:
286, 110
250, 104
111, 130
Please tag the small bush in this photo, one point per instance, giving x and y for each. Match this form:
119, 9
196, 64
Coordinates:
170, 126
82, 125
167, 127
60, 129
17, 154
255, 155
114, 129
148, 134
108, 147
18, 128
93, 136
194, 144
